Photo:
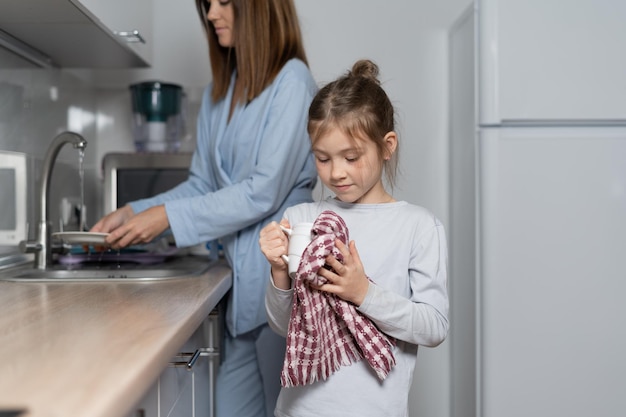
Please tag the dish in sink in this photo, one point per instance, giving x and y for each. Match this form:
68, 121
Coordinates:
81, 238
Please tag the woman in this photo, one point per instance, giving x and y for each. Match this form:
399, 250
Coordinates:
251, 162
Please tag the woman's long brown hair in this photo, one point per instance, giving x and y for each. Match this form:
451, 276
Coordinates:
266, 36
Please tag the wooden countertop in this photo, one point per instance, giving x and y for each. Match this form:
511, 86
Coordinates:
94, 348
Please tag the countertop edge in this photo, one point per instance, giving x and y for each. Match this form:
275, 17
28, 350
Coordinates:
150, 375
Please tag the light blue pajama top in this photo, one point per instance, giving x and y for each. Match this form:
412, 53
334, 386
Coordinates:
244, 173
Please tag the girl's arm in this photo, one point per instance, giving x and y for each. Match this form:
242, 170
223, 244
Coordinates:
278, 307
421, 319
417, 323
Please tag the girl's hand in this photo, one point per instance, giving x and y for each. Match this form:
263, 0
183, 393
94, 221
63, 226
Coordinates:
348, 280
274, 243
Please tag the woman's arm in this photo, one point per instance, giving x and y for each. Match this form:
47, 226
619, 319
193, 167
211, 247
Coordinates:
255, 186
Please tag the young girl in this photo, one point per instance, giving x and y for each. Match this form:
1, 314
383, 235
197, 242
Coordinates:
395, 280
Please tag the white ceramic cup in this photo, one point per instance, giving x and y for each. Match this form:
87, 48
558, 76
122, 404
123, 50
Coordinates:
299, 238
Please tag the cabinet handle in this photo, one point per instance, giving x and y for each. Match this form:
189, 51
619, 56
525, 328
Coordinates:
132, 36
210, 352
189, 359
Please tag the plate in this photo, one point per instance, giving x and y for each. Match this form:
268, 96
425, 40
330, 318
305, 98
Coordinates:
82, 238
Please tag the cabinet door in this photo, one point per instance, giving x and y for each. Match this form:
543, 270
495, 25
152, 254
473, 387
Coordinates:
180, 391
171, 395
552, 60
124, 17
187, 392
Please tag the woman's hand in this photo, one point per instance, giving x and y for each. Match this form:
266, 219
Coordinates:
113, 220
274, 243
347, 280
126, 229
110, 222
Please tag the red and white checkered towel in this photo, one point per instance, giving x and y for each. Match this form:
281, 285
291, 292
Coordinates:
326, 332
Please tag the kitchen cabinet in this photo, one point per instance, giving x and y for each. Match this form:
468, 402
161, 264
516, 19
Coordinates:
186, 387
78, 33
130, 20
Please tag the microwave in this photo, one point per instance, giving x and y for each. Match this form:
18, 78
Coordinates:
17, 172
133, 176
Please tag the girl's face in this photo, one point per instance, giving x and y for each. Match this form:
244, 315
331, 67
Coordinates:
352, 168
220, 14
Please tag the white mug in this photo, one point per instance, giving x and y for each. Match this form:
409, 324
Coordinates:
299, 238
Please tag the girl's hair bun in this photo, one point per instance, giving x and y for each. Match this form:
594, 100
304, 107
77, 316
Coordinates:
366, 69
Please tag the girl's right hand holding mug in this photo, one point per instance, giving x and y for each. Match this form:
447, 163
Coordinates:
274, 244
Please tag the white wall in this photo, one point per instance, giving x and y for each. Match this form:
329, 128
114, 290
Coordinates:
461, 225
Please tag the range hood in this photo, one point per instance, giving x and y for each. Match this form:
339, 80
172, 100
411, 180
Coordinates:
62, 33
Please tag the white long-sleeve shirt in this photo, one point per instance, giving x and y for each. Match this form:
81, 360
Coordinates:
404, 252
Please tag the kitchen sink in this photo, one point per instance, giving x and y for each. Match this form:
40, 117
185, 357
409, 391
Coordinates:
184, 267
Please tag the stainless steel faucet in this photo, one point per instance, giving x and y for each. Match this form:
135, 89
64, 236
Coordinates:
41, 247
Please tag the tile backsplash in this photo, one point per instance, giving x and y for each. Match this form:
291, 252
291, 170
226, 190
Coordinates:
36, 104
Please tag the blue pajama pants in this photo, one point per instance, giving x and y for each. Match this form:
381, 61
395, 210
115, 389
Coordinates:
248, 380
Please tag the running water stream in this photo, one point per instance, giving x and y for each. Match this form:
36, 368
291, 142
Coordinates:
81, 172
83, 212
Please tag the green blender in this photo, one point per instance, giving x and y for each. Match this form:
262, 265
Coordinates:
158, 124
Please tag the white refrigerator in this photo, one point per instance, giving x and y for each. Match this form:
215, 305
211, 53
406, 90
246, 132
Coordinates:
547, 170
